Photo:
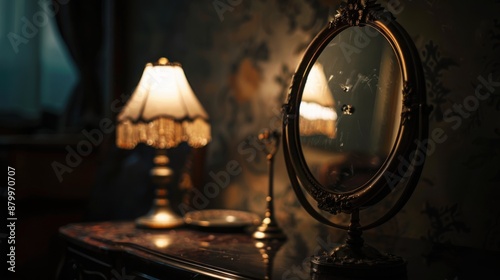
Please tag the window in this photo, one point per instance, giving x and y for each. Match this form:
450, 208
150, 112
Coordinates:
37, 74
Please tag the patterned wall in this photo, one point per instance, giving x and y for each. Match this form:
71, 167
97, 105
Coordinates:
239, 57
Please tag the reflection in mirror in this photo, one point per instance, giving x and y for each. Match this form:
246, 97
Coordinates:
317, 113
350, 109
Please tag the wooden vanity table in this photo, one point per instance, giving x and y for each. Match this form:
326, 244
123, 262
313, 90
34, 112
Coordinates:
119, 250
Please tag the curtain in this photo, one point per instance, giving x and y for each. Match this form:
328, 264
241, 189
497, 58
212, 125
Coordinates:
81, 26
36, 72
19, 56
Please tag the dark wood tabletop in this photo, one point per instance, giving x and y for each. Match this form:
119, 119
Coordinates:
119, 250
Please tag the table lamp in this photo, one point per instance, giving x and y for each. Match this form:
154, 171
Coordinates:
162, 112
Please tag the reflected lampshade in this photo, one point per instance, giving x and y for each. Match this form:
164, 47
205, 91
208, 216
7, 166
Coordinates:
317, 113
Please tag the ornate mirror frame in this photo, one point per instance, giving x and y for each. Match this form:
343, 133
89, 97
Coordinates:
406, 159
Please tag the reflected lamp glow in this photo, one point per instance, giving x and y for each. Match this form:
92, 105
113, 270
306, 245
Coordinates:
162, 112
162, 241
317, 114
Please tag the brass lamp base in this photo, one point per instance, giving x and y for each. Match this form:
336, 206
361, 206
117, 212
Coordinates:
160, 218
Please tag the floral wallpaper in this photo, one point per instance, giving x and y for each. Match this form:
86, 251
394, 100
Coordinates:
239, 57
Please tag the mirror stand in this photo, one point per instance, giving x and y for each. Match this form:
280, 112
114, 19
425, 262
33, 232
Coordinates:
355, 259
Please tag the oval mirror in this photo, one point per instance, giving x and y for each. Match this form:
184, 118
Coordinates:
356, 116
354, 125
350, 109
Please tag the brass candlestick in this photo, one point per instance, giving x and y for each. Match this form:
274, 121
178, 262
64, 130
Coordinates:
269, 228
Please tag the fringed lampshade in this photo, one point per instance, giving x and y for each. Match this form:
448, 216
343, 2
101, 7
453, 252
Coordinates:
163, 111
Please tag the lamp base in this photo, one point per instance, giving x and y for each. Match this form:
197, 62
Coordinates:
160, 217
366, 262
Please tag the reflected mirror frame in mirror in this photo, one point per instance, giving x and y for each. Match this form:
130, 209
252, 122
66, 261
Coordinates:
406, 159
